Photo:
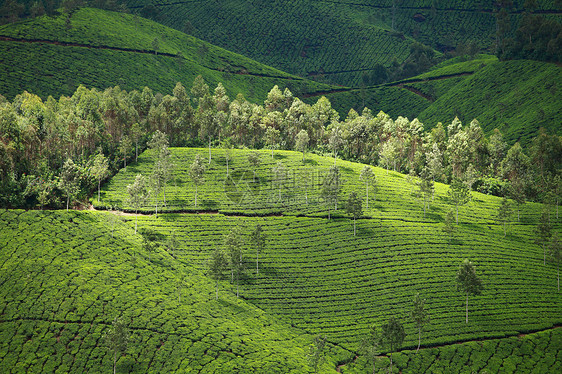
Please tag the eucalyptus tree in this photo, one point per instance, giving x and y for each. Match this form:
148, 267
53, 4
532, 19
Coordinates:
354, 207
233, 243
272, 138
257, 238
218, 265
280, 176
302, 142
504, 214
117, 340
69, 180
368, 177
392, 336
124, 148
426, 189
138, 194
331, 188
419, 315
370, 346
316, 351
197, 173
468, 282
100, 169
254, 160
459, 195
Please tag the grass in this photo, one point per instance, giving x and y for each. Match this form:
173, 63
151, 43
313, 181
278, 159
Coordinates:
71, 65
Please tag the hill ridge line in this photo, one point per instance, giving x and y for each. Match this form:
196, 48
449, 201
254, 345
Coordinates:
133, 50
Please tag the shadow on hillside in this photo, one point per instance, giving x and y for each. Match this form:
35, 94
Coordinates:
277, 156
310, 162
209, 204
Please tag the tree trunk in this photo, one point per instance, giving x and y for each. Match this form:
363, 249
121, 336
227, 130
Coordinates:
419, 338
209, 150
217, 294
137, 151
99, 185
374, 365
457, 214
353, 226
467, 307
367, 195
196, 195
272, 152
424, 208
136, 219
114, 361
543, 254
67, 201
227, 166
156, 208
391, 362
558, 271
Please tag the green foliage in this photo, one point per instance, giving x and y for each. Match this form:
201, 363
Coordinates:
122, 44
65, 279
317, 352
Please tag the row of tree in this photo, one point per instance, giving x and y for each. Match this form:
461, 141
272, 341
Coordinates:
37, 138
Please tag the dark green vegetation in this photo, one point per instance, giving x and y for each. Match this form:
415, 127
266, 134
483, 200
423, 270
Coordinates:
102, 49
527, 353
346, 42
315, 272
66, 276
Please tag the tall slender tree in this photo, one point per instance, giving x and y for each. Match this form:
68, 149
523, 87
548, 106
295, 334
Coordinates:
543, 232
254, 160
354, 207
68, 181
459, 195
369, 346
316, 353
197, 173
419, 315
257, 238
217, 267
302, 142
392, 336
100, 169
117, 340
368, 177
468, 282
138, 194
555, 251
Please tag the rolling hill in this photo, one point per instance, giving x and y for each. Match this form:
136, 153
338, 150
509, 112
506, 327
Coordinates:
101, 49
60, 292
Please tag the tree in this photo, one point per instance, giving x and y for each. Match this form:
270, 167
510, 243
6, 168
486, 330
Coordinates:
254, 160
316, 352
257, 238
302, 142
117, 339
331, 187
468, 282
233, 243
227, 146
336, 141
280, 176
136, 133
459, 194
448, 223
272, 136
197, 173
100, 169
369, 346
354, 207
543, 232
368, 176
504, 213
68, 181
155, 45
392, 336
426, 189
124, 148
555, 251
217, 266
138, 194
162, 170
419, 315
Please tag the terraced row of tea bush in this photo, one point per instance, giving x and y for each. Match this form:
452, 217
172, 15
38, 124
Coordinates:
301, 37
518, 97
238, 193
65, 276
530, 353
131, 60
325, 280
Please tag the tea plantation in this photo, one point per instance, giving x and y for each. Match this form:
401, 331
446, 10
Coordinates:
102, 48
66, 276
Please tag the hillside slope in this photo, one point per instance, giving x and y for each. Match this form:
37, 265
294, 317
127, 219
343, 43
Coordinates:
66, 276
101, 49
326, 280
